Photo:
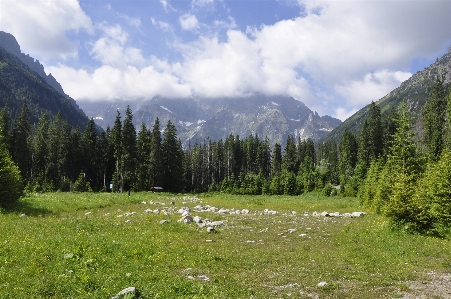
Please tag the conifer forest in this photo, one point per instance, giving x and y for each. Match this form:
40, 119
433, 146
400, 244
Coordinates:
388, 166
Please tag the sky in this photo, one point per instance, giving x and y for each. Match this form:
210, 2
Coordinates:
336, 56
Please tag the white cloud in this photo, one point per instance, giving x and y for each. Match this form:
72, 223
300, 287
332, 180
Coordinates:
201, 3
162, 25
109, 83
371, 87
111, 48
135, 22
189, 22
43, 26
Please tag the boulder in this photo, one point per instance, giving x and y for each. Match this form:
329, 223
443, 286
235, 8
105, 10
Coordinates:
210, 229
197, 219
128, 291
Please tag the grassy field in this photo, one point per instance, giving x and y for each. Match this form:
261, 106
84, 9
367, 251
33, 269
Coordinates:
68, 245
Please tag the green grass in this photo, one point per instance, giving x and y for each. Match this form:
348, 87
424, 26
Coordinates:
77, 246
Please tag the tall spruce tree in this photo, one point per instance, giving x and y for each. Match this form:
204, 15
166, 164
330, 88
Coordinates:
89, 151
21, 150
155, 162
434, 118
10, 180
116, 141
172, 158
371, 143
143, 144
128, 143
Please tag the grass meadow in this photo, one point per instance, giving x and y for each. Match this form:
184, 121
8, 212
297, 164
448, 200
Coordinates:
93, 245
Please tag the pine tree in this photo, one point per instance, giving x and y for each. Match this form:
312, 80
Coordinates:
290, 159
40, 150
143, 144
156, 156
172, 158
21, 149
10, 180
276, 163
371, 143
434, 115
348, 157
116, 141
89, 151
128, 143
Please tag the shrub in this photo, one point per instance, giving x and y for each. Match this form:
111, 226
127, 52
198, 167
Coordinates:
10, 181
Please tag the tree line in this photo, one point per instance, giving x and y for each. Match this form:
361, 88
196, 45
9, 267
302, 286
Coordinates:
391, 170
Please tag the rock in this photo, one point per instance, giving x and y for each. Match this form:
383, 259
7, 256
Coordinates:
127, 291
184, 209
216, 223
347, 215
23, 215
186, 219
336, 214
315, 214
164, 221
147, 211
197, 219
325, 214
210, 229
186, 213
293, 213
88, 213
245, 211
291, 230
323, 284
302, 235
223, 211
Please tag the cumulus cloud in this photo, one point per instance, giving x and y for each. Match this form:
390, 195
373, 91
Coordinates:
336, 57
189, 22
111, 48
43, 26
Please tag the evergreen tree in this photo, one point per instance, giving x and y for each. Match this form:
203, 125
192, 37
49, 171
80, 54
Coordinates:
40, 150
116, 141
10, 180
371, 138
143, 144
89, 151
172, 158
128, 143
21, 150
434, 115
290, 159
276, 163
5, 126
348, 157
156, 156
106, 158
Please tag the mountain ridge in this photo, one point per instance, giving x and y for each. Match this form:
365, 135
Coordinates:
414, 91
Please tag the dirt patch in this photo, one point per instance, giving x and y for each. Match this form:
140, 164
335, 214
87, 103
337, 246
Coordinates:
435, 285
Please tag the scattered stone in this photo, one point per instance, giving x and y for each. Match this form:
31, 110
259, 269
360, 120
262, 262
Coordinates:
128, 221
291, 230
302, 235
197, 219
88, 213
23, 215
210, 229
216, 223
209, 241
325, 214
203, 277
164, 221
336, 214
186, 219
323, 284
223, 211
293, 213
147, 211
143, 202
250, 241
245, 211
127, 291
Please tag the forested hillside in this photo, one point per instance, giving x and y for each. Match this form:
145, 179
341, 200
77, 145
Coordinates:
414, 92
392, 171
19, 84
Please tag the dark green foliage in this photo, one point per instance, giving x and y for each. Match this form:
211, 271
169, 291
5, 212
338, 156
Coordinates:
128, 144
19, 83
434, 113
21, 145
10, 180
172, 160
371, 143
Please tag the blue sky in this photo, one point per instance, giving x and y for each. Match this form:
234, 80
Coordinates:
336, 56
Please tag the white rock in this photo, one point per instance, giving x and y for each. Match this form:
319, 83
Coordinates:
143, 202
322, 284
291, 230
336, 214
197, 219
216, 223
129, 290
325, 214
186, 213
223, 211
88, 213
293, 213
210, 229
164, 221
147, 211
302, 235
245, 211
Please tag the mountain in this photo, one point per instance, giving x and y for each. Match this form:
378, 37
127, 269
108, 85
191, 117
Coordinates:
196, 119
19, 83
414, 91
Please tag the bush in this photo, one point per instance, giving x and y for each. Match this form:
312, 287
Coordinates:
11, 187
